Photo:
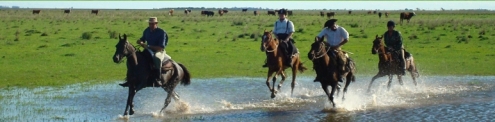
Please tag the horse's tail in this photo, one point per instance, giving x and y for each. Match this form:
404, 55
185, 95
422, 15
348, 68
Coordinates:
301, 67
186, 80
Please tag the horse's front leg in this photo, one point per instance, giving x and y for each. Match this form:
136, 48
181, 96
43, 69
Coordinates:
378, 75
274, 91
129, 104
390, 77
268, 81
334, 88
324, 85
400, 79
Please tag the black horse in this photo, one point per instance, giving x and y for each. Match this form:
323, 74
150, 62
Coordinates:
140, 73
324, 67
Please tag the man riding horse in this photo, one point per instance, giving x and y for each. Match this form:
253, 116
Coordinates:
283, 30
337, 36
157, 40
393, 41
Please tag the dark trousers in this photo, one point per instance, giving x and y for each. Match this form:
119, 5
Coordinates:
287, 47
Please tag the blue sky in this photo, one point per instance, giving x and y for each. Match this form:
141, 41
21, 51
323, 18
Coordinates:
355, 5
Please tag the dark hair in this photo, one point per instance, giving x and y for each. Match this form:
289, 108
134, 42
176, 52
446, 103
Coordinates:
329, 23
390, 23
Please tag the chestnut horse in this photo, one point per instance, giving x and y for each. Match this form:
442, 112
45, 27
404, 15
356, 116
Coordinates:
139, 73
389, 65
275, 62
323, 66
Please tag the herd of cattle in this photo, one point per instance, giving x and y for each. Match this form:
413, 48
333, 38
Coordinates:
403, 15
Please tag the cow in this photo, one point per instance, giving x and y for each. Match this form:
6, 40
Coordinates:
330, 14
36, 11
386, 14
350, 12
379, 14
374, 12
322, 14
95, 12
67, 11
207, 13
220, 12
244, 10
171, 12
271, 13
407, 16
289, 13
255, 13
225, 11
369, 12
187, 11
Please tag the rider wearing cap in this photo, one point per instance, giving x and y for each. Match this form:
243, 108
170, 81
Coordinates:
283, 30
393, 41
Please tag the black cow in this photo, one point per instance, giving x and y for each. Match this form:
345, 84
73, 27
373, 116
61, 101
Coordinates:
207, 13
95, 12
271, 13
36, 11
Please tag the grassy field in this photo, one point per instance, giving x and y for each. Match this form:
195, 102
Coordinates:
49, 49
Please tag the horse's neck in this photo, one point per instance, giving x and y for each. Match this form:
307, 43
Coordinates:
383, 54
133, 56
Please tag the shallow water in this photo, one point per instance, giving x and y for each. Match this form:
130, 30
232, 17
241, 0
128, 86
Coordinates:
436, 98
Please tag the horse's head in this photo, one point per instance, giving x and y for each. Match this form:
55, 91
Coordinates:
317, 49
123, 48
377, 44
268, 43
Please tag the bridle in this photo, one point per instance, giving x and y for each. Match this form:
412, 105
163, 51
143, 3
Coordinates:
266, 39
126, 51
320, 52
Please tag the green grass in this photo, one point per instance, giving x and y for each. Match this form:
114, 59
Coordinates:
55, 49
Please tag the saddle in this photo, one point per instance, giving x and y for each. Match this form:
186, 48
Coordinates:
166, 64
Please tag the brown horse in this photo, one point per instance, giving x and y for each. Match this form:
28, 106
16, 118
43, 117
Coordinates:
323, 66
389, 65
139, 73
276, 60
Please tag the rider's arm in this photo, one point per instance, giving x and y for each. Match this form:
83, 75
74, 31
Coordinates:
345, 35
398, 44
291, 30
143, 38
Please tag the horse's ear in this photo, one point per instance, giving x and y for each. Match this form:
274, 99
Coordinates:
125, 36
120, 37
376, 36
316, 38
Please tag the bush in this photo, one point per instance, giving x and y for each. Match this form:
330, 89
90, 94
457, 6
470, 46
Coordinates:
86, 35
355, 25
113, 34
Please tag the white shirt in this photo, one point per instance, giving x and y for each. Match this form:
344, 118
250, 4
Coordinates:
281, 27
334, 38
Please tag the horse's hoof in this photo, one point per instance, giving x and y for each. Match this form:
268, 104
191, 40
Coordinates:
273, 96
131, 113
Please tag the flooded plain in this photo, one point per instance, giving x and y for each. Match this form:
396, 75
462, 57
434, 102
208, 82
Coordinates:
436, 98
